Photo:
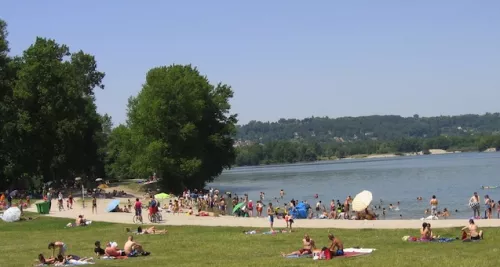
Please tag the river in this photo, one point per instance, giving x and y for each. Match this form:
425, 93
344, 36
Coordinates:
451, 177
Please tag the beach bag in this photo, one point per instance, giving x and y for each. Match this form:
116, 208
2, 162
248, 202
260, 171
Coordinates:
473, 205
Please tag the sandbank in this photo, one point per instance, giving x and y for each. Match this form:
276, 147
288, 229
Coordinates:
251, 223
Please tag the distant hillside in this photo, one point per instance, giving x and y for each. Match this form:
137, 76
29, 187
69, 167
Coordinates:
388, 127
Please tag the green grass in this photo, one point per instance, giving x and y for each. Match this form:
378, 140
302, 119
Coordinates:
21, 242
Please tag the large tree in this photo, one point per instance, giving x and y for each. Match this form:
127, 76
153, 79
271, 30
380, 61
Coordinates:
181, 127
56, 115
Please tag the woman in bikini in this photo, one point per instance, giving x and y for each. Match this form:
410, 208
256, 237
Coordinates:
425, 232
94, 205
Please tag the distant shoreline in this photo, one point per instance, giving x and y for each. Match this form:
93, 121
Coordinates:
374, 156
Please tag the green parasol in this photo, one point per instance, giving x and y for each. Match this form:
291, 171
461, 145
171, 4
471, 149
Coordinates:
162, 196
238, 206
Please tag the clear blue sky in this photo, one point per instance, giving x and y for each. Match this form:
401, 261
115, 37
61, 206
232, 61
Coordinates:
287, 59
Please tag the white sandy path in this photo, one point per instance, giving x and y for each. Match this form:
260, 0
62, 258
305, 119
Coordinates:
252, 223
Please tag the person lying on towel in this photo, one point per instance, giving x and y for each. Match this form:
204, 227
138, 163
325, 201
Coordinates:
336, 246
307, 246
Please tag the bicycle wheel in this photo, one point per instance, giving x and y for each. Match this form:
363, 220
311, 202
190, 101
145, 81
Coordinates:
159, 217
151, 218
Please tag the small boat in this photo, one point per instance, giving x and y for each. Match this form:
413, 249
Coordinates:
489, 187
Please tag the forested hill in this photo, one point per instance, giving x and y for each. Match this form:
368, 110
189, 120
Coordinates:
386, 127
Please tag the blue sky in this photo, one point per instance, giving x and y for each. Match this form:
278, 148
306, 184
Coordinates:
287, 59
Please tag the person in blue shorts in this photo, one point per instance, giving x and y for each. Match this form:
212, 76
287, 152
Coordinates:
270, 214
336, 247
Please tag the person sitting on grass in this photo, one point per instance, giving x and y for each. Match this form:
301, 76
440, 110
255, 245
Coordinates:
307, 246
98, 250
80, 221
58, 244
133, 248
112, 251
336, 247
474, 232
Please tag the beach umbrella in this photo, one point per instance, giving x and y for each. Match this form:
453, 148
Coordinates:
162, 196
238, 206
112, 205
362, 201
12, 214
98, 179
78, 178
102, 186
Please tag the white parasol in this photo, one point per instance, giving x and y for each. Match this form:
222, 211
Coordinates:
12, 214
98, 179
362, 201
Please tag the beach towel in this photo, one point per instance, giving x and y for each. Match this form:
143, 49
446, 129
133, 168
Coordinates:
298, 256
253, 232
75, 225
348, 253
75, 263
114, 258
435, 240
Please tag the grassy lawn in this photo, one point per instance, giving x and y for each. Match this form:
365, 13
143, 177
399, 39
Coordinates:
21, 242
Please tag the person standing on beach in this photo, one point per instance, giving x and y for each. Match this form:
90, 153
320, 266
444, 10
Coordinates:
270, 214
434, 204
282, 193
94, 204
474, 204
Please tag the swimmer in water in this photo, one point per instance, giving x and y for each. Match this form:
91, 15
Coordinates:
391, 207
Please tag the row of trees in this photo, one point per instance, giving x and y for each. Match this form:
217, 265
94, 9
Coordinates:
293, 151
178, 126
49, 127
388, 127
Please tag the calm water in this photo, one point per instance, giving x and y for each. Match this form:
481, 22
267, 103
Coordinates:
451, 177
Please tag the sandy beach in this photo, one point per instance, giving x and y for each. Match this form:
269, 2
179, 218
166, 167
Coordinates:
250, 223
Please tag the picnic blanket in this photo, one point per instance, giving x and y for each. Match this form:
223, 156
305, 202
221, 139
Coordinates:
254, 232
114, 258
73, 224
436, 240
298, 256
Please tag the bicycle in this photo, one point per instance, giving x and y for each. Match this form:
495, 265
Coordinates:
155, 218
61, 205
137, 219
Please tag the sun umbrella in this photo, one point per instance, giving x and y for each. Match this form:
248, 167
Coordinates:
112, 205
238, 206
78, 178
102, 186
12, 214
162, 196
98, 179
362, 201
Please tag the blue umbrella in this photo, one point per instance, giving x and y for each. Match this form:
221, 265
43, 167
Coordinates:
112, 205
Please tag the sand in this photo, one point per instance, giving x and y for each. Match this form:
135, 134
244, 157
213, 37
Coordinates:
251, 223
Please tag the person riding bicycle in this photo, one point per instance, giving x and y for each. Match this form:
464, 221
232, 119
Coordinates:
153, 206
60, 201
138, 209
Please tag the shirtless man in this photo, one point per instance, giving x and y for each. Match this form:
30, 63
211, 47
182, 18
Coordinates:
474, 232
434, 204
270, 214
307, 246
336, 247
59, 245
346, 207
474, 203
131, 246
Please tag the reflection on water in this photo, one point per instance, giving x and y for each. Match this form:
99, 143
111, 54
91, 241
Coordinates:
451, 177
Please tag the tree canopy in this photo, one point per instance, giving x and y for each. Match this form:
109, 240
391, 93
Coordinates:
50, 129
179, 127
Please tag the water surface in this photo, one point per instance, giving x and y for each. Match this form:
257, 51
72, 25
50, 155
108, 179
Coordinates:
451, 177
